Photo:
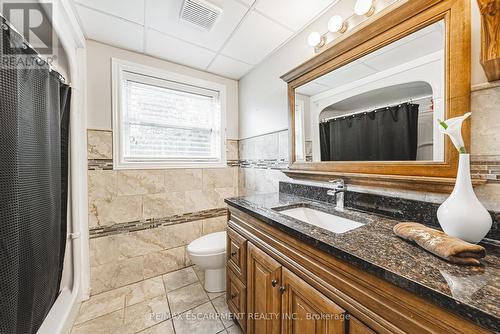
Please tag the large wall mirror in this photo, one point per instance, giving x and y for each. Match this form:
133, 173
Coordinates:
367, 107
380, 107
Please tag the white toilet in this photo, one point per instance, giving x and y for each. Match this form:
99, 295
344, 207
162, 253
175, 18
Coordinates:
209, 253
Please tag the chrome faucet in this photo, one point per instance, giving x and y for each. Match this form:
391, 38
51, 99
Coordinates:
338, 191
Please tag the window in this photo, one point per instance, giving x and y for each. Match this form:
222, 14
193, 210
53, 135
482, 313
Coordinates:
162, 119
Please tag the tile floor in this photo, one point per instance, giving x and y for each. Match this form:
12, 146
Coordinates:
174, 303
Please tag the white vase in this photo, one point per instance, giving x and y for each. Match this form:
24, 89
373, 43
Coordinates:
462, 215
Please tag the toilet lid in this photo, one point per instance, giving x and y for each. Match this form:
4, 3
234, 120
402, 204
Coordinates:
213, 243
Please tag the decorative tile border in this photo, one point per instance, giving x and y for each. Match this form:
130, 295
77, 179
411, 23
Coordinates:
107, 164
140, 225
481, 167
100, 164
264, 163
233, 163
486, 168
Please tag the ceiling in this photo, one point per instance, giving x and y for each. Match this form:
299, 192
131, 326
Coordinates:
419, 44
246, 32
379, 97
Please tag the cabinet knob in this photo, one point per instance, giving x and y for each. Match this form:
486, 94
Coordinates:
282, 289
274, 283
233, 253
234, 295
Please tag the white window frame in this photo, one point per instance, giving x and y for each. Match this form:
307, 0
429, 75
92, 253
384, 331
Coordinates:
120, 70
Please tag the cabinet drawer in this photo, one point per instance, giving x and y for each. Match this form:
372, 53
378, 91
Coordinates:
236, 294
237, 254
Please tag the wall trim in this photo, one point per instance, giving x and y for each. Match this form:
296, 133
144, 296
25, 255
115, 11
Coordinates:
139, 225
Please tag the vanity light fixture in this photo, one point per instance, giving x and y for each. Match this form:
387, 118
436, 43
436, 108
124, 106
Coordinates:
337, 24
316, 40
364, 7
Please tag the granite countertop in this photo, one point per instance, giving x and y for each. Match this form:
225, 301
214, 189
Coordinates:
472, 292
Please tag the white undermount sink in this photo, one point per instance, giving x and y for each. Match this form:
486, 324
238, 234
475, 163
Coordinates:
322, 219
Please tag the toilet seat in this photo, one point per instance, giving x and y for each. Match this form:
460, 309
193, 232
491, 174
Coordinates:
210, 244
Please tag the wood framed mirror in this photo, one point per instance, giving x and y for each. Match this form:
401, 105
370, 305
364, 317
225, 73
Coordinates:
403, 70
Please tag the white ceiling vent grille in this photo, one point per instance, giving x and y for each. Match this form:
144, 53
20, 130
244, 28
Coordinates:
200, 13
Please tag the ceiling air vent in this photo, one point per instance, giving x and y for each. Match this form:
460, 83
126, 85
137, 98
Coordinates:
200, 13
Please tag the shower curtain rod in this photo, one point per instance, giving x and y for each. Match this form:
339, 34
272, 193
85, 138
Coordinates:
6, 25
374, 109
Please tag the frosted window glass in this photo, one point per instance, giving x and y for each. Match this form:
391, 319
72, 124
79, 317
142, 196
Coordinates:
170, 123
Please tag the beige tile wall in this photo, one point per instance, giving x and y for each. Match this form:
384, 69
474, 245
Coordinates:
122, 196
259, 181
99, 144
122, 259
485, 118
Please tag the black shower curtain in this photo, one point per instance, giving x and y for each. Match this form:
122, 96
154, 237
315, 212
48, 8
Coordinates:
34, 120
388, 134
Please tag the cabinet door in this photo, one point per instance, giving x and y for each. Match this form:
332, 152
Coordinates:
357, 327
263, 293
306, 310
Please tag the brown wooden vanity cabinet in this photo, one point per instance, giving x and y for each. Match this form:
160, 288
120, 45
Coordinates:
263, 294
281, 302
277, 300
278, 284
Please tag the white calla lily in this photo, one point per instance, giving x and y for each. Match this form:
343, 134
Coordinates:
453, 128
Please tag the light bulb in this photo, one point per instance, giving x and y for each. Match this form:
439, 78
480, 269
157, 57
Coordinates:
314, 39
337, 24
364, 7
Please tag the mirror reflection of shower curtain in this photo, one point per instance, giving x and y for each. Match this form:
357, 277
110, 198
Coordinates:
34, 120
389, 134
